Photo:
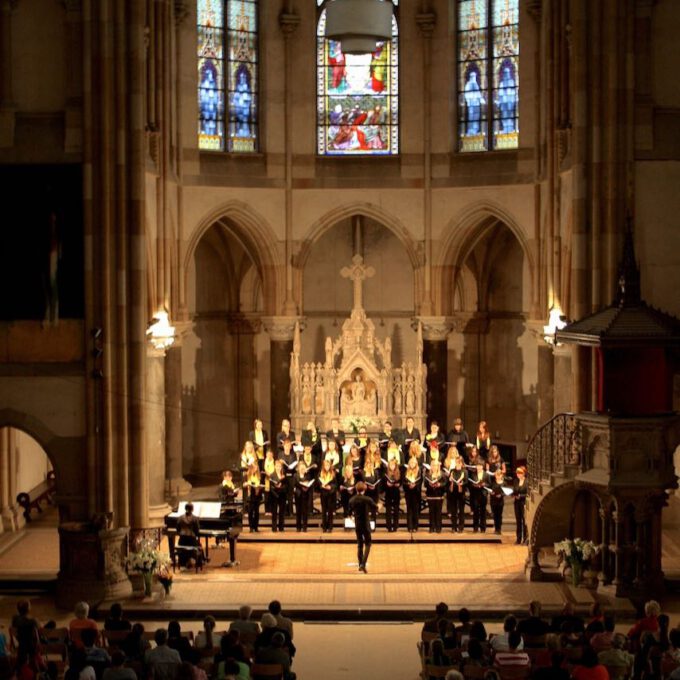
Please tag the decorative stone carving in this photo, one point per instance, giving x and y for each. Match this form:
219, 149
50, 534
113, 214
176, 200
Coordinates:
435, 328
357, 379
281, 328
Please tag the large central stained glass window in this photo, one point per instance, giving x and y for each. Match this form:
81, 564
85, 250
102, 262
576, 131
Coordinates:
488, 74
227, 75
357, 96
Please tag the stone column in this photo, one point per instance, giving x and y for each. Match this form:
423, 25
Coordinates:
73, 135
562, 401
474, 327
175, 483
280, 329
155, 436
7, 104
6, 501
604, 577
435, 356
545, 386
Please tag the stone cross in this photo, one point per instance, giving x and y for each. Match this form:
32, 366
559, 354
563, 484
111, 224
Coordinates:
358, 273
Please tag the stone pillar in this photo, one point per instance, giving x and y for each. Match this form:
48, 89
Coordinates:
7, 104
474, 327
73, 134
618, 554
280, 329
6, 501
154, 436
92, 565
435, 356
604, 577
176, 485
545, 386
562, 373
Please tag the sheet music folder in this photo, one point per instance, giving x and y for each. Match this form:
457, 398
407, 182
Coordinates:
208, 509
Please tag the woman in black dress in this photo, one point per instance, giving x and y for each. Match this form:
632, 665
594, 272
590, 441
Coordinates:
277, 491
519, 493
455, 495
327, 490
435, 484
412, 483
392, 482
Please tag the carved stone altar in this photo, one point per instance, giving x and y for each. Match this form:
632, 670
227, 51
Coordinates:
357, 382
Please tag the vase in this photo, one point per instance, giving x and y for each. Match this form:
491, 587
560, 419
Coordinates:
576, 573
148, 580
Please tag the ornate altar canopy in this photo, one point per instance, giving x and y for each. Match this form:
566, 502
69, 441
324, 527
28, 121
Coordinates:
357, 382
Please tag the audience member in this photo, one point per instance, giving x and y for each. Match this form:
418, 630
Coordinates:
135, 645
244, 624
269, 629
475, 656
230, 647
82, 621
162, 661
95, 656
282, 622
274, 652
589, 667
228, 670
673, 651
555, 671
78, 668
533, 625
440, 613
513, 657
454, 675
499, 643
117, 670
177, 641
617, 656
26, 628
205, 639
115, 620
649, 622
464, 617
567, 615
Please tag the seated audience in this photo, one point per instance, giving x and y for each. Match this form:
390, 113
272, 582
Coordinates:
244, 624
567, 615
454, 675
282, 622
205, 639
555, 671
230, 647
500, 643
440, 613
673, 651
78, 668
162, 662
533, 625
82, 621
115, 620
649, 622
26, 628
589, 668
544, 657
274, 652
437, 657
117, 670
95, 656
447, 633
177, 641
135, 645
514, 657
464, 617
269, 629
475, 656
617, 656
228, 670
478, 632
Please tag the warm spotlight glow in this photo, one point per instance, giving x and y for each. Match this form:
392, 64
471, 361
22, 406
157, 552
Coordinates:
556, 322
160, 333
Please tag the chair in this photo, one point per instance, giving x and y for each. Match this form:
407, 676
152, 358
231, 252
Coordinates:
266, 671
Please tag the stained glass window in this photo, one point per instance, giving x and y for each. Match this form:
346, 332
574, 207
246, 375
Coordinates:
357, 96
488, 74
227, 75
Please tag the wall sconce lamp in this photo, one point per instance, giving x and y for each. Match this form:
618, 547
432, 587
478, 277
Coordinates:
556, 322
159, 332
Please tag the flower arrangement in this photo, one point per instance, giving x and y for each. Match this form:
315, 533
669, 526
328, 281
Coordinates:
147, 560
577, 553
356, 422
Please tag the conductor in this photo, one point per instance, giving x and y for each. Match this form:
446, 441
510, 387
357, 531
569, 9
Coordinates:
360, 505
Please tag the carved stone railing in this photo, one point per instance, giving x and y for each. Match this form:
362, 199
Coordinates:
554, 446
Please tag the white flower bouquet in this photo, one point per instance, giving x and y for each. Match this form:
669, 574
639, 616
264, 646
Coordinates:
354, 423
577, 554
147, 559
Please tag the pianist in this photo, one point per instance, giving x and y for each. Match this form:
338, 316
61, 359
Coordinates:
188, 530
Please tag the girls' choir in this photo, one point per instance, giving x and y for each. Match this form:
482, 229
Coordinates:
444, 470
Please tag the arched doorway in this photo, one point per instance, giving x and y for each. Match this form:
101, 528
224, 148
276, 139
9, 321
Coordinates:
388, 297
493, 370
223, 354
26, 469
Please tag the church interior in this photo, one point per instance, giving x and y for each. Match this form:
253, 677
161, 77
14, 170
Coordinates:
223, 211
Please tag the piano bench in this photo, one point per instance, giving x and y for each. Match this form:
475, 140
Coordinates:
190, 551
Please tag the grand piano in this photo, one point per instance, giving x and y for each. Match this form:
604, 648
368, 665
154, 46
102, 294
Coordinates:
219, 521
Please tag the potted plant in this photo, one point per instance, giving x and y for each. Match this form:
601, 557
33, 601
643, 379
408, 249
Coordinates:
577, 554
